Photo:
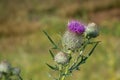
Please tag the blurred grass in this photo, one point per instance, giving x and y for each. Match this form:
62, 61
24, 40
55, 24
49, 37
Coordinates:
23, 43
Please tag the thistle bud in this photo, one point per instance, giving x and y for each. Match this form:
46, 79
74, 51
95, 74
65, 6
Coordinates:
61, 58
5, 67
91, 30
71, 41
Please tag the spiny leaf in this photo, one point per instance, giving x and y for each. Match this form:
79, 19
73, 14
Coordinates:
93, 48
76, 66
51, 53
93, 42
55, 46
52, 67
83, 58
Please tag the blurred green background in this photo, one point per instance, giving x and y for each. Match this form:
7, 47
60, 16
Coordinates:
23, 43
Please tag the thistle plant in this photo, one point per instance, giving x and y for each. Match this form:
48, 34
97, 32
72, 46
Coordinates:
74, 43
7, 72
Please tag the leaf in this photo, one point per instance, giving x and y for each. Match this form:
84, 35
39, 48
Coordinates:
52, 67
84, 58
93, 48
93, 42
52, 55
55, 46
76, 66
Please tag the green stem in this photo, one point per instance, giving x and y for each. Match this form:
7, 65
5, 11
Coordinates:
75, 61
60, 71
65, 73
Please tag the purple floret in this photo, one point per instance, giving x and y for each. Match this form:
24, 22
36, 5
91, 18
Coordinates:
76, 27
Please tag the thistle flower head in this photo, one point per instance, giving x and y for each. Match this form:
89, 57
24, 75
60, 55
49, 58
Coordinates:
61, 58
76, 27
71, 41
92, 30
5, 67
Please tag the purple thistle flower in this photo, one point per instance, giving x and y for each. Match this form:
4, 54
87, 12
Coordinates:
76, 27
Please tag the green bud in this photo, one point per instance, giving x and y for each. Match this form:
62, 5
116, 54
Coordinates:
61, 58
91, 31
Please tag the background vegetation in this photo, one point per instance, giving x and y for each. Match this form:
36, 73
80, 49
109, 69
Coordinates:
23, 43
